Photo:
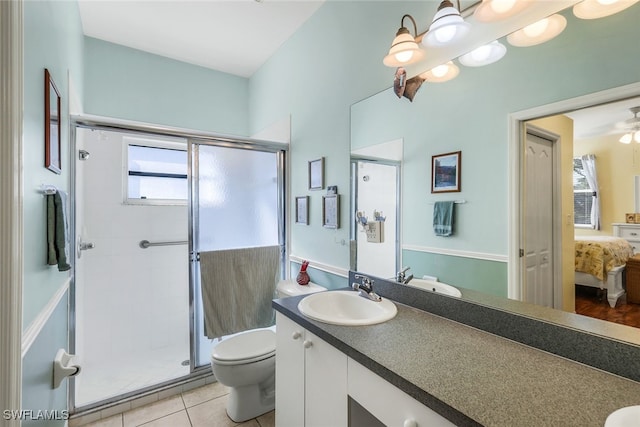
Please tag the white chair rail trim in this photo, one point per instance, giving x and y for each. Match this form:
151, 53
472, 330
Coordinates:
457, 253
338, 271
31, 333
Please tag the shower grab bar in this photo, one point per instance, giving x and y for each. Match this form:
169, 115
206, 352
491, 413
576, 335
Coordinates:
144, 244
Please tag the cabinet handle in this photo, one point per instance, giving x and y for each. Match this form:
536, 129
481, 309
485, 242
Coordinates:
634, 234
296, 335
307, 344
410, 423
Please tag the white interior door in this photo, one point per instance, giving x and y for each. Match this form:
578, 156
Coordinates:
538, 209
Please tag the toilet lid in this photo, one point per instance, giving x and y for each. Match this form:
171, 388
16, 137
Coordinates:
248, 345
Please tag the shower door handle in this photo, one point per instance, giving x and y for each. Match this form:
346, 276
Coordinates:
83, 246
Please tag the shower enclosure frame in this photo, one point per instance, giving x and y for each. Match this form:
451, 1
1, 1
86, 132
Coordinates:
194, 138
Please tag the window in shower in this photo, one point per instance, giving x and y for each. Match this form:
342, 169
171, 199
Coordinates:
156, 173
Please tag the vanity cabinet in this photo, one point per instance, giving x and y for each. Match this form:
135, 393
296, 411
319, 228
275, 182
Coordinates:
314, 381
390, 405
629, 232
311, 378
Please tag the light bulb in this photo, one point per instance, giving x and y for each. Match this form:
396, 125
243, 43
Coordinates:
626, 138
537, 28
445, 34
636, 137
482, 53
404, 56
607, 2
440, 70
502, 6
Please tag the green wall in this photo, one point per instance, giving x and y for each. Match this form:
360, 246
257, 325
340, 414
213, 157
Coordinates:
329, 77
333, 61
38, 393
130, 84
53, 40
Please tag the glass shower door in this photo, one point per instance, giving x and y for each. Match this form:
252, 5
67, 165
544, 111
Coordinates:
237, 202
131, 303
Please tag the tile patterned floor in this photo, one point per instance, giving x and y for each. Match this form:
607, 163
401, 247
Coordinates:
202, 407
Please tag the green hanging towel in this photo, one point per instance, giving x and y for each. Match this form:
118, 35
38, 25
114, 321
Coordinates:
57, 231
443, 218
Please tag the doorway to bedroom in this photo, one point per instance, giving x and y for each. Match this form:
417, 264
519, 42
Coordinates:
599, 121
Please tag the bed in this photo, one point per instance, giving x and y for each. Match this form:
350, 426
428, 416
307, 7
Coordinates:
600, 261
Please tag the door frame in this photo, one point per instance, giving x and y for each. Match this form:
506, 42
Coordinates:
516, 133
11, 196
556, 228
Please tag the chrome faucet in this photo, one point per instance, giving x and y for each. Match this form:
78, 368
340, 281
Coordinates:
365, 287
401, 276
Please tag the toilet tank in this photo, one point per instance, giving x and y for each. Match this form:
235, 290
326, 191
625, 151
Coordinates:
289, 288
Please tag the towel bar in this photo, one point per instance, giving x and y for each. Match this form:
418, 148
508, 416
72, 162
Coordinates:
457, 202
48, 189
144, 244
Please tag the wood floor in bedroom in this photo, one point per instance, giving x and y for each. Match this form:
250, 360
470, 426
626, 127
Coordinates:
593, 302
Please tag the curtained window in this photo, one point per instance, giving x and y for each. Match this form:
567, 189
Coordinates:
586, 198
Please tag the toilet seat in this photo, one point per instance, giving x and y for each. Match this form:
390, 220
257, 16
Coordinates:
244, 348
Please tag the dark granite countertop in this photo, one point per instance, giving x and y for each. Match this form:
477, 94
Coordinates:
472, 377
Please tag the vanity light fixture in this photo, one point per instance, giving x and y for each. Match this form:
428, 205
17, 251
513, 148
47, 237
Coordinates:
538, 32
484, 55
404, 49
441, 73
447, 27
593, 9
496, 10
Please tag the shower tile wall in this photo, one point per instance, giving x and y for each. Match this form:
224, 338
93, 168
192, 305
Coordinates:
132, 304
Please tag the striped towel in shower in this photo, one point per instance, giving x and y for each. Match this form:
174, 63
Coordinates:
237, 288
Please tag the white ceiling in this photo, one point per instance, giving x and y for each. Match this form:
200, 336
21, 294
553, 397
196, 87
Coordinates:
608, 119
232, 36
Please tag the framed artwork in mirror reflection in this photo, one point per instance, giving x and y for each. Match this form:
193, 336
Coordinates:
302, 210
316, 174
331, 211
445, 172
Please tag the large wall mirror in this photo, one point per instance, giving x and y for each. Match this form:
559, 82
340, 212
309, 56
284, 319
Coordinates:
577, 90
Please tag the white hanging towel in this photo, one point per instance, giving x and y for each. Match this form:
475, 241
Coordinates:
237, 288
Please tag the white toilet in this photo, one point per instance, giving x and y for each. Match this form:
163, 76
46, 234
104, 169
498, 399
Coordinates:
246, 363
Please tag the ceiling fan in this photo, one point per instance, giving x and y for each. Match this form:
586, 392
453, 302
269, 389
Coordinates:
632, 132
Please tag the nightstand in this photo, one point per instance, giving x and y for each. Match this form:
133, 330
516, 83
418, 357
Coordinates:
629, 232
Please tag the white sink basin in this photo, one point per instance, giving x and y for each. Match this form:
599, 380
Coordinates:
437, 287
624, 417
346, 308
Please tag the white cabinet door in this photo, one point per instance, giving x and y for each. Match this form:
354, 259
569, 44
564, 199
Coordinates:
289, 373
325, 384
387, 403
311, 379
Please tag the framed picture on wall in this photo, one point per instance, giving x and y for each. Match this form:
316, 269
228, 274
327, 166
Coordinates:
331, 211
445, 172
302, 210
52, 126
316, 174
